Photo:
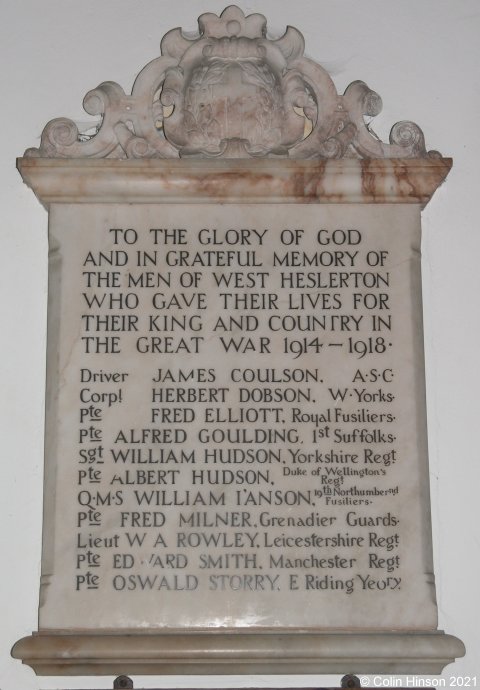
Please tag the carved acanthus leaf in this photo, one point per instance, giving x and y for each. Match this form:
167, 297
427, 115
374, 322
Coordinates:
231, 92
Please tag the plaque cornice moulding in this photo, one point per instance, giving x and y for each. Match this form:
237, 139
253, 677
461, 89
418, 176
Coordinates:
231, 92
234, 181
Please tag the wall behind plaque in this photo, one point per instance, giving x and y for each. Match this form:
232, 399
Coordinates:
423, 58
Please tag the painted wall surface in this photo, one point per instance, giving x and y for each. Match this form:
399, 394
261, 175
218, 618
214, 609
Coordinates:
423, 58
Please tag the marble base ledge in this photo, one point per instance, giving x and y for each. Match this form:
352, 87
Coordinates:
226, 653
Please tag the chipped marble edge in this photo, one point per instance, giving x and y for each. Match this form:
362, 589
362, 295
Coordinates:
234, 181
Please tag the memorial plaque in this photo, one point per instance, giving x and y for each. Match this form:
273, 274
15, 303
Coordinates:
236, 462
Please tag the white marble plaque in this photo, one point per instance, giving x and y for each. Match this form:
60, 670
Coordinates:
236, 419
236, 470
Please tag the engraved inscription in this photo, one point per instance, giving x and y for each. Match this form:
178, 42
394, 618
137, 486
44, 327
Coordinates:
239, 382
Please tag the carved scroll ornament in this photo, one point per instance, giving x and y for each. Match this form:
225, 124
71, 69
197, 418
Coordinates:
231, 93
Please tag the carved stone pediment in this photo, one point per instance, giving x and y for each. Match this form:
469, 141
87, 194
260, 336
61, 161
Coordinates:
231, 92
